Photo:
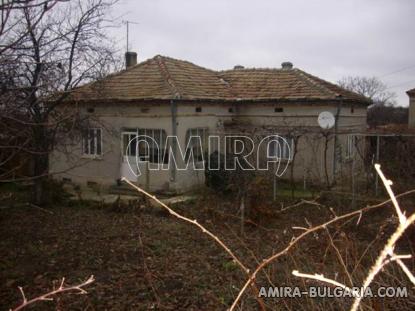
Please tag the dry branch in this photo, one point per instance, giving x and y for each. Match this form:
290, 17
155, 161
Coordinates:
48, 296
294, 241
387, 254
205, 231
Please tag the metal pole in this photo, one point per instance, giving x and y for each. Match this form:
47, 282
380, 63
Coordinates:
353, 181
275, 184
173, 107
336, 127
377, 161
127, 34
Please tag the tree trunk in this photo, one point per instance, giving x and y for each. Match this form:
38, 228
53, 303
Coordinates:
40, 165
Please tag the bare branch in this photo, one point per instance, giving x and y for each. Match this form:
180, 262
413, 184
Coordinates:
388, 183
320, 277
48, 296
204, 230
295, 240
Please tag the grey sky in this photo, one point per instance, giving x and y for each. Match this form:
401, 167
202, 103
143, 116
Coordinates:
328, 38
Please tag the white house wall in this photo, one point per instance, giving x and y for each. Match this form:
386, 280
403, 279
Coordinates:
116, 117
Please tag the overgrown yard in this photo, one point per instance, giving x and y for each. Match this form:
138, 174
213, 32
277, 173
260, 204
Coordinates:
143, 258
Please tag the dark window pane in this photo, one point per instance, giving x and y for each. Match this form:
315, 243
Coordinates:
125, 144
85, 142
91, 144
133, 146
98, 139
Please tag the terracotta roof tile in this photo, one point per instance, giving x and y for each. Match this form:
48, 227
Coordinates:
161, 78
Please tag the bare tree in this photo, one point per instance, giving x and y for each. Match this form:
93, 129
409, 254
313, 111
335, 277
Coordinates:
383, 111
371, 87
48, 49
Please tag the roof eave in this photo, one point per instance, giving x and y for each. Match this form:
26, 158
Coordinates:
223, 100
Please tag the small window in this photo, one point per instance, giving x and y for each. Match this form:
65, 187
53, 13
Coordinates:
352, 109
92, 142
91, 184
281, 147
230, 110
145, 110
198, 109
197, 142
278, 109
90, 110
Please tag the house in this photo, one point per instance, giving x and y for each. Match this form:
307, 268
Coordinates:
411, 117
163, 97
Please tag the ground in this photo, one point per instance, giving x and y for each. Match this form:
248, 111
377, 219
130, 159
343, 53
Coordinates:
143, 258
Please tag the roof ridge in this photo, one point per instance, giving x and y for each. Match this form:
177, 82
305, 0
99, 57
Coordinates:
311, 80
252, 69
111, 75
167, 76
186, 61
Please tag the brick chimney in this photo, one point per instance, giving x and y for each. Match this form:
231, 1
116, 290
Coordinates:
237, 67
130, 59
287, 65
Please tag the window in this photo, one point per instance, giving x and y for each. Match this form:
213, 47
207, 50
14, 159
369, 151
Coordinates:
230, 110
147, 144
198, 109
281, 147
352, 109
129, 144
195, 137
351, 142
278, 109
145, 110
92, 142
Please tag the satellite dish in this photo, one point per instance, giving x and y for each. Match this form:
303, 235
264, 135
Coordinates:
326, 120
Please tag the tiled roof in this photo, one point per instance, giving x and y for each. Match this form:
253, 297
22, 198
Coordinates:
163, 78
411, 92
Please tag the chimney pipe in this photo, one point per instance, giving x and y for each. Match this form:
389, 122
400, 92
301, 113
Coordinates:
130, 59
287, 65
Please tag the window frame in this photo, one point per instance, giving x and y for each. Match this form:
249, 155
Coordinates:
204, 138
160, 138
290, 141
351, 146
86, 143
123, 147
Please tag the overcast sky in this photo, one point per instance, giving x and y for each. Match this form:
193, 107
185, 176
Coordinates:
328, 38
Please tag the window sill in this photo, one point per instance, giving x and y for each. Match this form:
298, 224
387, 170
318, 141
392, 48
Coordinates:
92, 157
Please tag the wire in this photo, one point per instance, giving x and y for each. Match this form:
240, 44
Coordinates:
397, 71
397, 85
